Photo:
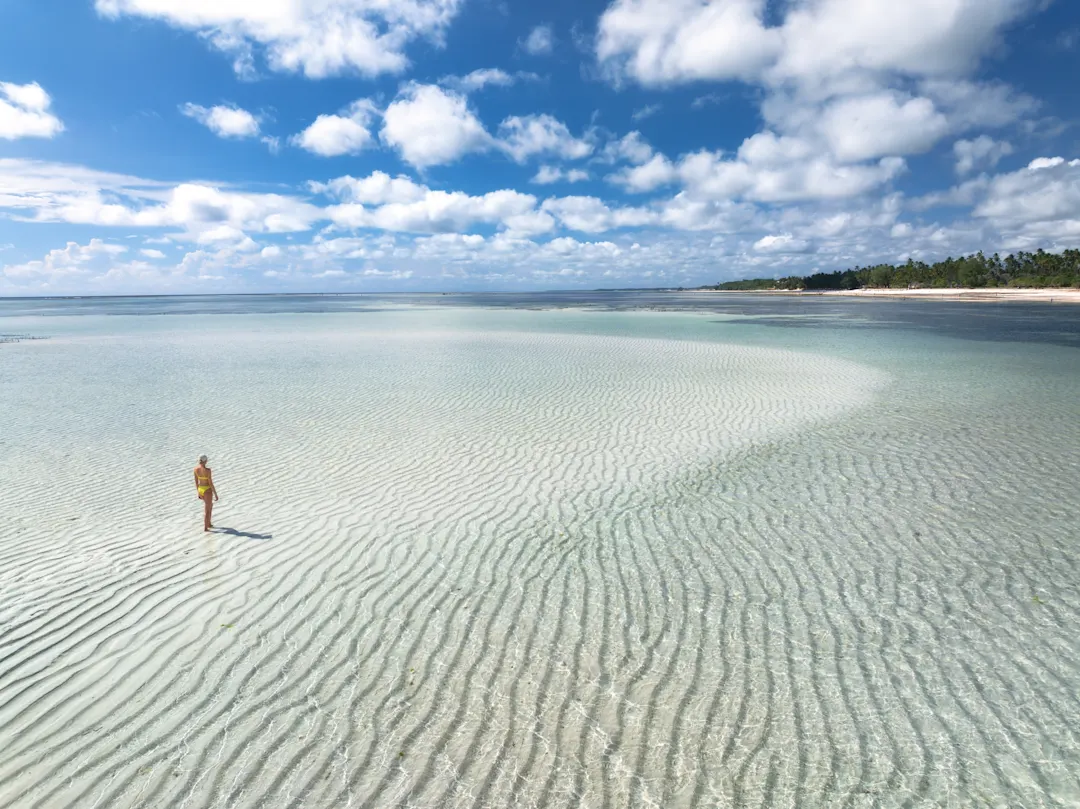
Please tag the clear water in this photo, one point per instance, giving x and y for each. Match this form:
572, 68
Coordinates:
550, 550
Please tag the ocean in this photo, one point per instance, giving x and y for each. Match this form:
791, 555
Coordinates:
611, 549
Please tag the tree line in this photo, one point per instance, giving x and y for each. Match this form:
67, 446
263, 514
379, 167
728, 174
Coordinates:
1020, 270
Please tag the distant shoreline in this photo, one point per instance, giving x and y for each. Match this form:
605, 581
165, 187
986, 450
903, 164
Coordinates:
983, 295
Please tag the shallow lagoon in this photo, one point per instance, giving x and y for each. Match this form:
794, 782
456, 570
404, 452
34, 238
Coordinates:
540, 551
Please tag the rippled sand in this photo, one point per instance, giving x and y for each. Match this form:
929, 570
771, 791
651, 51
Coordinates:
467, 566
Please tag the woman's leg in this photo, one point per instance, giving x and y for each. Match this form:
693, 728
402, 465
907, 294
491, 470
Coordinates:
208, 499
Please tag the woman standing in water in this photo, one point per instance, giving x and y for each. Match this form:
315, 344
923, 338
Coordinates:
204, 483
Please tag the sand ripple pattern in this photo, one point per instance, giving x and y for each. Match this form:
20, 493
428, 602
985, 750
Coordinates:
523, 570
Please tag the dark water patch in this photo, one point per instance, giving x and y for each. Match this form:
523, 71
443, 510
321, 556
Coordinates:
993, 322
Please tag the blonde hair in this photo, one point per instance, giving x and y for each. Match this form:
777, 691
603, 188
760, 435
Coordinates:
203, 459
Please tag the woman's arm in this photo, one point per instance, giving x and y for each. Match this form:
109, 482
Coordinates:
197, 485
213, 488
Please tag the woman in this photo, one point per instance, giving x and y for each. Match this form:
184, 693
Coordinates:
204, 483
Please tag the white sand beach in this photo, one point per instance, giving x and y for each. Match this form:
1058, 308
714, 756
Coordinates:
994, 295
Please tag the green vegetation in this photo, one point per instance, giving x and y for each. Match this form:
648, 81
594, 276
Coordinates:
1022, 270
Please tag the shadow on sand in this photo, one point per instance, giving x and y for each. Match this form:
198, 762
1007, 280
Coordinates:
242, 534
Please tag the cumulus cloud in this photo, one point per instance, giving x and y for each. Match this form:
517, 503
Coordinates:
983, 151
852, 81
430, 126
379, 188
399, 204
24, 112
781, 243
762, 210
592, 215
969, 104
632, 148
71, 260
485, 77
658, 42
540, 41
774, 169
1047, 191
315, 37
547, 175
436, 211
648, 176
522, 137
334, 135
224, 121
881, 124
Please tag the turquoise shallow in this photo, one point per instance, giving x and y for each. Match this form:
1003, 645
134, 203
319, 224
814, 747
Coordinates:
607, 550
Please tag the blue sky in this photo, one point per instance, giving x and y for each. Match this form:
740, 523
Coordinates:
368, 145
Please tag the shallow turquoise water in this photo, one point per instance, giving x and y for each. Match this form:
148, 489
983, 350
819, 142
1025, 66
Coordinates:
488, 556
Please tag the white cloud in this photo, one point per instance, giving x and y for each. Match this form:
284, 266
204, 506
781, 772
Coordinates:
51, 192
24, 112
389, 274
399, 204
316, 37
430, 126
1045, 163
770, 169
529, 223
436, 211
845, 81
777, 205
657, 42
335, 135
648, 111
984, 151
38, 188
963, 195
224, 121
783, 243
71, 260
548, 175
632, 148
881, 124
970, 104
648, 176
522, 137
690, 212
485, 77
1047, 191
378, 188
592, 215
567, 245
540, 41
918, 37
